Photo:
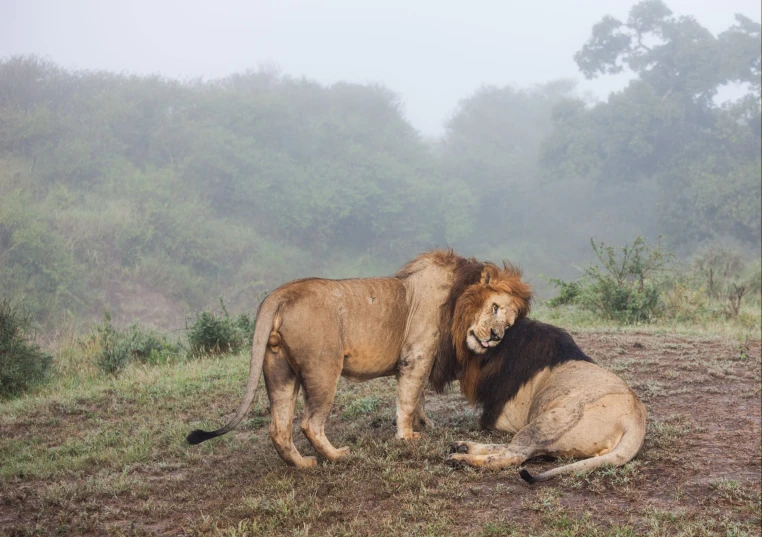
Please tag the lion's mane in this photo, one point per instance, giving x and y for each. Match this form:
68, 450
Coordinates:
473, 283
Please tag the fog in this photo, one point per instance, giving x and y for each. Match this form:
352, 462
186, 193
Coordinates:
431, 53
157, 155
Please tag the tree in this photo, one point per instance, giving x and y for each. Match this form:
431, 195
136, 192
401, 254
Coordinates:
491, 147
665, 125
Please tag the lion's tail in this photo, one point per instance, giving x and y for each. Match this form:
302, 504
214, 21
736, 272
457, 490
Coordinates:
265, 318
624, 452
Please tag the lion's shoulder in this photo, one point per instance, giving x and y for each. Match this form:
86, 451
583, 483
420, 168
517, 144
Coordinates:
528, 348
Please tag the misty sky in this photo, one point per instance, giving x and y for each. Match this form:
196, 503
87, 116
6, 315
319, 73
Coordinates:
431, 52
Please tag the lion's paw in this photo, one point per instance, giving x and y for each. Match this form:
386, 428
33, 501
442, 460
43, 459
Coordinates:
458, 447
426, 423
341, 452
455, 462
308, 462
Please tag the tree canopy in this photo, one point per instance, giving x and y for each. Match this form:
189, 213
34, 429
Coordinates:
118, 189
666, 125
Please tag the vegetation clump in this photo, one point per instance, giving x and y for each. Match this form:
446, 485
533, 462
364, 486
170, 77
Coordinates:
214, 333
144, 185
22, 363
115, 348
641, 283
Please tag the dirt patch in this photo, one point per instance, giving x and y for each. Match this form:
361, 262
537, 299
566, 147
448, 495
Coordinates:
697, 474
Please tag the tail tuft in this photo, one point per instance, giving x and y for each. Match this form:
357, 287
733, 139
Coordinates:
526, 476
198, 436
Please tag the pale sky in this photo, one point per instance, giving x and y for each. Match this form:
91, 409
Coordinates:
432, 53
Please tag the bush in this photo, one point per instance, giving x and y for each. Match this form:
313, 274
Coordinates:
568, 292
148, 346
686, 302
626, 284
727, 277
22, 363
718, 267
117, 348
216, 334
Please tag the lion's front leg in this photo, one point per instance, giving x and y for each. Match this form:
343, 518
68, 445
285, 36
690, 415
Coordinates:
474, 448
420, 421
413, 372
487, 455
500, 459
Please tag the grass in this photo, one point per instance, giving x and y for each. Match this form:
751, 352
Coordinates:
93, 453
748, 325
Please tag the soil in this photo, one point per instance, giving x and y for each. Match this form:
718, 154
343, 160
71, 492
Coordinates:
699, 472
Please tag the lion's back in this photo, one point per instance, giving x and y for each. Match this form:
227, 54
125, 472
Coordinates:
362, 320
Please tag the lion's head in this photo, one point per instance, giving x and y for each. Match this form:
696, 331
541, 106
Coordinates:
469, 319
487, 309
482, 314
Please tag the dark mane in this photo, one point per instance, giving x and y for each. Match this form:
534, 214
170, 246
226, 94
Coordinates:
527, 348
446, 369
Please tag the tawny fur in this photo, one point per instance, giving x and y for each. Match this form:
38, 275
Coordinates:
310, 332
537, 383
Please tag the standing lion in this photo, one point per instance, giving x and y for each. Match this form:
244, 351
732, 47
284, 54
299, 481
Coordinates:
310, 332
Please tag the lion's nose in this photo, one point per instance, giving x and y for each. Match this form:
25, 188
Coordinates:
493, 336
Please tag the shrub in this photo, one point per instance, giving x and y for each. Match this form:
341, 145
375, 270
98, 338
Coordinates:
625, 286
727, 277
568, 292
148, 346
719, 268
685, 302
212, 333
118, 348
22, 363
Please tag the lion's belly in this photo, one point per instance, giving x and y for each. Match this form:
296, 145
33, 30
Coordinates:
367, 363
359, 322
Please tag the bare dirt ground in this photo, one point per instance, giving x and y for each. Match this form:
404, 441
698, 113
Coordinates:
699, 472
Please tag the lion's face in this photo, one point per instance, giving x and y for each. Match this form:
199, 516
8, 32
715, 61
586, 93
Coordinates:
487, 309
498, 312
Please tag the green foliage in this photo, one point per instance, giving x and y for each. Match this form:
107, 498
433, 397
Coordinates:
638, 283
190, 186
115, 348
491, 147
665, 129
625, 286
23, 364
684, 301
212, 333
568, 292
149, 195
727, 277
34, 260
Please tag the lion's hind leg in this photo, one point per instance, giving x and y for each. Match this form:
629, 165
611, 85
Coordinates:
319, 391
540, 437
283, 389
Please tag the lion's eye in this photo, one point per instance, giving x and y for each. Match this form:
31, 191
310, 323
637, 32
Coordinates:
494, 308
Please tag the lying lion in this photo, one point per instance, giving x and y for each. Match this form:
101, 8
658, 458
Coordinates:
538, 384
310, 332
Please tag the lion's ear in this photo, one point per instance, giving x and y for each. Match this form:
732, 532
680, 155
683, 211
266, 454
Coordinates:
489, 272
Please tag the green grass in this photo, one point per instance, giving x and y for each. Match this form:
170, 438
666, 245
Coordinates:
573, 317
93, 453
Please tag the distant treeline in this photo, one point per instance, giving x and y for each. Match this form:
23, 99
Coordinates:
147, 195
